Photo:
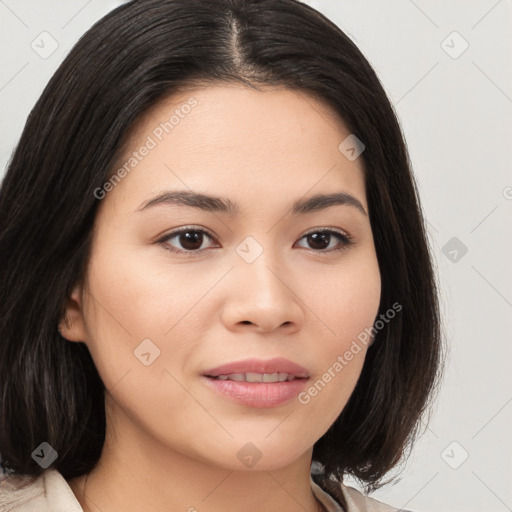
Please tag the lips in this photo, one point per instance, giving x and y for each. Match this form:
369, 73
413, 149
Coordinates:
257, 383
257, 370
256, 377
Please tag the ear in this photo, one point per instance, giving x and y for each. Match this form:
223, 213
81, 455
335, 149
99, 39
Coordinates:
72, 324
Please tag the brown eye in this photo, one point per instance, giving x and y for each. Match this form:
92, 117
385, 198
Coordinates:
189, 240
321, 240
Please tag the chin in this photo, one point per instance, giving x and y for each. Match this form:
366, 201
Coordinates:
258, 456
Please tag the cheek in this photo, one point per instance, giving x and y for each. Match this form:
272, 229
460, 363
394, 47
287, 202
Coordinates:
131, 299
141, 298
348, 304
345, 300
129, 311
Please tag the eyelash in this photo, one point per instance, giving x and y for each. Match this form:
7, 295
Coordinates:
346, 240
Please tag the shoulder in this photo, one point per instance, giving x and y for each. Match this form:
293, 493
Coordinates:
48, 492
359, 502
345, 498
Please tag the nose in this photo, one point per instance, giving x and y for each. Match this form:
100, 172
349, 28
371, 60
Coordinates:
261, 296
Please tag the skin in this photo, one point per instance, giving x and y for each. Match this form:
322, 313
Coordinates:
172, 442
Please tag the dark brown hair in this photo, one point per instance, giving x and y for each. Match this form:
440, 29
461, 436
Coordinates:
135, 56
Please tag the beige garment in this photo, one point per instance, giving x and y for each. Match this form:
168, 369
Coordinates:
51, 493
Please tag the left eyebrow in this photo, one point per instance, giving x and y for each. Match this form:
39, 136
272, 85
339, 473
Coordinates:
227, 207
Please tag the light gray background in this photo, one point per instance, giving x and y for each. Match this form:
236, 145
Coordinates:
456, 112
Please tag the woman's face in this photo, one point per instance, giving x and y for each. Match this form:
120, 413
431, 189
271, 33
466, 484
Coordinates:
259, 285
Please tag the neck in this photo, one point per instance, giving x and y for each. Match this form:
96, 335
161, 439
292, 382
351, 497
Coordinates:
131, 478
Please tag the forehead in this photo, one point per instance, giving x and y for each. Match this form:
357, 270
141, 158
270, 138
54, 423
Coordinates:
256, 144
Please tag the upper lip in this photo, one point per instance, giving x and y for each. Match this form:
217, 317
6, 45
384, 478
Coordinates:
277, 365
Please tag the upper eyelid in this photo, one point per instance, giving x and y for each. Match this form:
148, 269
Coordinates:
210, 234
348, 238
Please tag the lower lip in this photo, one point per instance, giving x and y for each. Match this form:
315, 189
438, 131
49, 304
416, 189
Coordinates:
258, 394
